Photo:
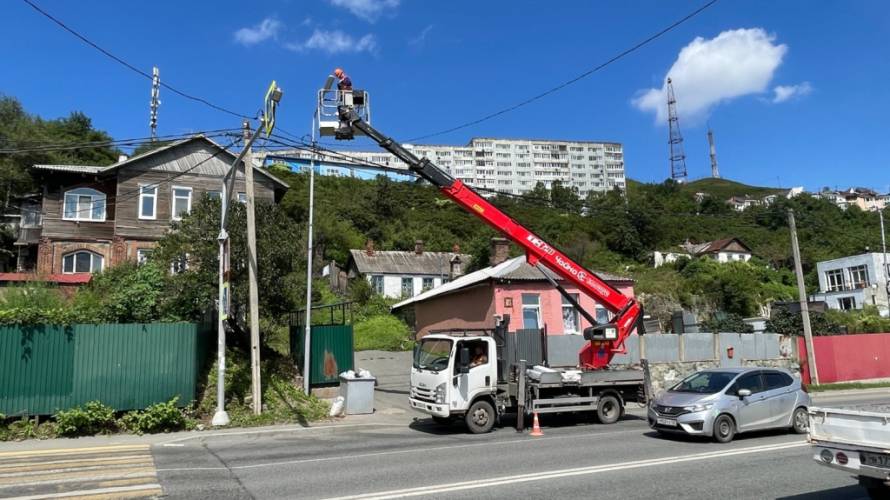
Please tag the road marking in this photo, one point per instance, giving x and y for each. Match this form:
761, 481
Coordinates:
34, 464
525, 440
144, 462
202, 434
75, 451
144, 489
76, 476
554, 474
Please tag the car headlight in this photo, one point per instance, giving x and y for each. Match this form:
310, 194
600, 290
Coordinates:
699, 407
440, 393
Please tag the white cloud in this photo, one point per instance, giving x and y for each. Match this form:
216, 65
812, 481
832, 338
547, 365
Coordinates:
421, 38
369, 10
707, 72
782, 93
335, 42
266, 29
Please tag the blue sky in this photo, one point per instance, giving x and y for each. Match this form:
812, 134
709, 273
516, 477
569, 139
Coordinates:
795, 91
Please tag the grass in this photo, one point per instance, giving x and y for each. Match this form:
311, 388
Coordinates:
847, 386
382, 333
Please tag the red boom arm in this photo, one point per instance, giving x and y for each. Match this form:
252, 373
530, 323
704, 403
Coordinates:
605, 340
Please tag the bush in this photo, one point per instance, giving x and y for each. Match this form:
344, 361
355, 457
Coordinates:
383, 333
727, 323
36, 295
92, 418
159, 417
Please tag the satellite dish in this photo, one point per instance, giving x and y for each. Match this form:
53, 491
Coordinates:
329, 82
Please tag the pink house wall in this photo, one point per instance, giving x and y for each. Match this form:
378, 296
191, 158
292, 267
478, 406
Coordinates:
550, 301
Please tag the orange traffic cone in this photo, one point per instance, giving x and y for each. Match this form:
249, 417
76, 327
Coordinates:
536, 427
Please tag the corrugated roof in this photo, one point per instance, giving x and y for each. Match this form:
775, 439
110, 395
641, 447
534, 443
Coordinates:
515, 269
401, 262
84, 169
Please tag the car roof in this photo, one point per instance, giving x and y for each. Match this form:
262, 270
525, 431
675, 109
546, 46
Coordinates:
743, 369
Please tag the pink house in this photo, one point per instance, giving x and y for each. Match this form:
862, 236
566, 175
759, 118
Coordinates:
512, 287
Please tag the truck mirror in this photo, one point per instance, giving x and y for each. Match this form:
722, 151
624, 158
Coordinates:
464, 360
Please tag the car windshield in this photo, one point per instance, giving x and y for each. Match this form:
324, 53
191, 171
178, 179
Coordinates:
704, 382
432, 354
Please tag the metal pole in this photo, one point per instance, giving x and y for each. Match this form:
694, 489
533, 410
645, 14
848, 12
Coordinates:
884, 251
221, 417
253, 299
802, 294
308, 337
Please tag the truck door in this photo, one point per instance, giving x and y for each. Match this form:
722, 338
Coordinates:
481, 375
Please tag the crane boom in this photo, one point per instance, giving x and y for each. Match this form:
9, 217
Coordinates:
604, 339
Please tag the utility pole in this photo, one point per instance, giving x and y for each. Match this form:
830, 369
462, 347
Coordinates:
307, 342
253, 293
155, 102
804, 309
884, 251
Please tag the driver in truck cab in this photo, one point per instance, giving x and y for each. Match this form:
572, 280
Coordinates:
479, 356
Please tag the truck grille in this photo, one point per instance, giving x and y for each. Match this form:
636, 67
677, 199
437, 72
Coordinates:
424, 394
670, 411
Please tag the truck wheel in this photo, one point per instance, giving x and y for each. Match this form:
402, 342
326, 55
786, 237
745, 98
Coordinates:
800, 421
724, 429
480, 417
442, 420
608, 409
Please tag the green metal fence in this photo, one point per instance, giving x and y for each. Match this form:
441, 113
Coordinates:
331, 353
46, 368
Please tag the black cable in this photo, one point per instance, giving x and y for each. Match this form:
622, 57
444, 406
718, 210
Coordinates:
130, 66
109, 143
573, 80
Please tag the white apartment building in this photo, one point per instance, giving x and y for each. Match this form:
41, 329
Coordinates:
853, 282
512, 166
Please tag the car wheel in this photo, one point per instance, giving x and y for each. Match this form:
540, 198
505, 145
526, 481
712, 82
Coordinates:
608, 409
800, 421
480, 417
724, 429
442, 420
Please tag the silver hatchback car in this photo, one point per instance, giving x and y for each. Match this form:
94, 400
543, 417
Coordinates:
722, 402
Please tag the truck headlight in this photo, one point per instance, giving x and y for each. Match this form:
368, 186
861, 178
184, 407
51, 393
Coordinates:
699, 407
440, 393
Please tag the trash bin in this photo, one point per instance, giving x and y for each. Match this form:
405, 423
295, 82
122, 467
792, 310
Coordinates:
358, 393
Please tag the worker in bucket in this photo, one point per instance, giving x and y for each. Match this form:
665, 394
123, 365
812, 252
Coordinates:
344, 96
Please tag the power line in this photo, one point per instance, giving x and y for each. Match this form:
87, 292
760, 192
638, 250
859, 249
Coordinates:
130, 66
110, 143
573, 80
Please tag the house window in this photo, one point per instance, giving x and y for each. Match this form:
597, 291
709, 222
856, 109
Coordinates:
570, 323
180, 264
84, 204
835, 280
846, 303
377, 284
182, 202
142, 255
859, 276
531, 311
214, 195
82, 262
427, 284
242, 198
407, 287
148, 202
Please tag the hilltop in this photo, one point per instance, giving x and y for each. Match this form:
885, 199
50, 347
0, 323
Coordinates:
720, 189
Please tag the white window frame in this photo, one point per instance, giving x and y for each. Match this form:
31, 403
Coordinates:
405, 280
79, 216
374, 280
94, 257
154, 196
859, 276
536, 307
574, 312
183, 261
242, 198
173, 198
832, 283
142, 255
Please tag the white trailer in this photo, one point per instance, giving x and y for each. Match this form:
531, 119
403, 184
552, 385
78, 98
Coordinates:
856, 441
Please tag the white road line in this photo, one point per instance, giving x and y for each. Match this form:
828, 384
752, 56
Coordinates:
98, 491
525, 440
554, 474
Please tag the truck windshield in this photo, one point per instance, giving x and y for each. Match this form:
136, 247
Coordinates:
432, 354
704, 382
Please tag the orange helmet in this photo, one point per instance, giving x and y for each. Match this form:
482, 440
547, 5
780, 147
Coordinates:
338, 72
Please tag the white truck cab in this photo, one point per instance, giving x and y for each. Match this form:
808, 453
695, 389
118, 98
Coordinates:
452, 376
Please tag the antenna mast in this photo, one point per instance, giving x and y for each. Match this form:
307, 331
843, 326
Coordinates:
678, 157
155, 102
715, 173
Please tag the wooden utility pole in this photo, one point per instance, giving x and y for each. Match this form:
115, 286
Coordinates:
253, 293
804, 309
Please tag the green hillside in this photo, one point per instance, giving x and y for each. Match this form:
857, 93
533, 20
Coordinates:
721, 189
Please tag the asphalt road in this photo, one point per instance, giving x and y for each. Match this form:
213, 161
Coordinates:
573, 459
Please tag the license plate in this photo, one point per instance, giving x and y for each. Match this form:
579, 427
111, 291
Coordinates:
875, 460
666, 421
